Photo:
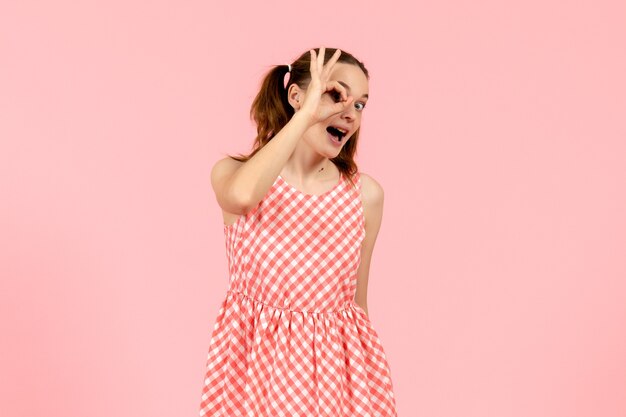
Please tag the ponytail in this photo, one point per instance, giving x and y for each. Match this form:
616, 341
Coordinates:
270, 108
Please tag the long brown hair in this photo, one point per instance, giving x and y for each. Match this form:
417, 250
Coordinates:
271, 111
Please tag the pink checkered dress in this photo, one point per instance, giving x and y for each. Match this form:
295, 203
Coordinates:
289, 339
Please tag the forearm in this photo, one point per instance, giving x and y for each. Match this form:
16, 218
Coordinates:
254, 178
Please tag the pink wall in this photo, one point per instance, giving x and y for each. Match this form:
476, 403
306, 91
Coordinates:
498, 283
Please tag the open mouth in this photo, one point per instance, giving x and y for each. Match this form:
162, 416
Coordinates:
337, 132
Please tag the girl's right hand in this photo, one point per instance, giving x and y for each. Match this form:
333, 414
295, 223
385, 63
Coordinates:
323, 98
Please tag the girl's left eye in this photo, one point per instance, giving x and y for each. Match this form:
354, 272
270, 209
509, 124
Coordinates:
357, 104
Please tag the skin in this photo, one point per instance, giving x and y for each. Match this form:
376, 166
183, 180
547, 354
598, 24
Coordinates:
314, 151
301, 148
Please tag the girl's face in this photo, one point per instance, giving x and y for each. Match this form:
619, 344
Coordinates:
326, 142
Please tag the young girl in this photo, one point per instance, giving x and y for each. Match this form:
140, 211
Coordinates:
293, 336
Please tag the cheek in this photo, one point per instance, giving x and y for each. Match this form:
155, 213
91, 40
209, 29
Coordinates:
320, 130
315, 133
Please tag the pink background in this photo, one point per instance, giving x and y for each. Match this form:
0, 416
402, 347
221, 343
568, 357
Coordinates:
497, 129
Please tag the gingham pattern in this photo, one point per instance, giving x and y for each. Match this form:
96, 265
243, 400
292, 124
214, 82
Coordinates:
289, 339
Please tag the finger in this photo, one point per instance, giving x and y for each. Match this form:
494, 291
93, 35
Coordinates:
334, 85
332, 61
320, 59
313, 64
342, 106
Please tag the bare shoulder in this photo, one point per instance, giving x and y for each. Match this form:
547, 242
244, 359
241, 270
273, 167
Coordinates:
372, 192
221, 173
372, 197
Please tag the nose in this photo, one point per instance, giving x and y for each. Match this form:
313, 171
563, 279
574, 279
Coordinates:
349, 113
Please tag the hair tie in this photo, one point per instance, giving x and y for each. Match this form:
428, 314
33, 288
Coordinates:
289, 66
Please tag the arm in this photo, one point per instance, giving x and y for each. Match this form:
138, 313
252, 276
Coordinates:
240, 187
372, 196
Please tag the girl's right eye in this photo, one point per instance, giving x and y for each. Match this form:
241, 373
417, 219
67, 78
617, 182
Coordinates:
335, 95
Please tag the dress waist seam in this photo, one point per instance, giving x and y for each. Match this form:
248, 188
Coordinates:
348, 304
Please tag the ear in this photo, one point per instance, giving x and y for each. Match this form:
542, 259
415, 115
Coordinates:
295, 95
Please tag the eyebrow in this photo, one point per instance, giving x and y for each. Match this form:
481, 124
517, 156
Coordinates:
347, 87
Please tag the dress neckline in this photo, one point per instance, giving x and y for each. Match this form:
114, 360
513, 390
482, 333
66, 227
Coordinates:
313, 195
